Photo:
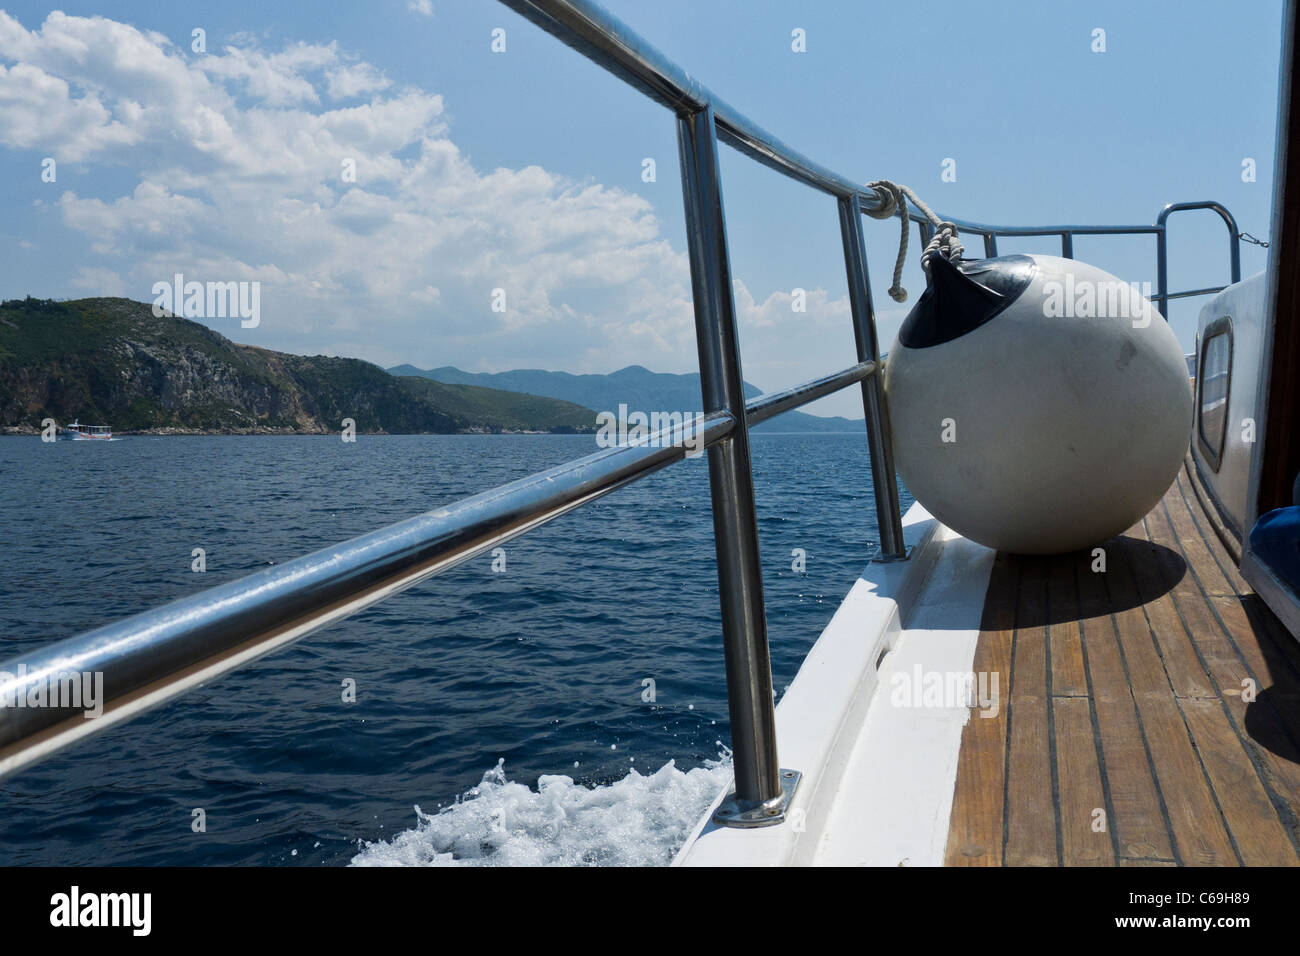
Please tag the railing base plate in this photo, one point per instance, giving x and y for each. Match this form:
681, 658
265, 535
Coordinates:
879, 556
731, 813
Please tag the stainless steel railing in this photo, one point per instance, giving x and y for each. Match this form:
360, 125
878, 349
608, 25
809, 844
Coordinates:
152, 657
1067, 234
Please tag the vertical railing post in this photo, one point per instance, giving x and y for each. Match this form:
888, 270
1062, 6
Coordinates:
880, 444
762, 790
990, 245
1162, 272
1067, 245
926, 231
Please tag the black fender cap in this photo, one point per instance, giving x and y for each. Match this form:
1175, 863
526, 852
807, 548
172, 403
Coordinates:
962, 296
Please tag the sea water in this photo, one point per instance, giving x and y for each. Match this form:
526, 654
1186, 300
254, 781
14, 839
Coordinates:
561, 703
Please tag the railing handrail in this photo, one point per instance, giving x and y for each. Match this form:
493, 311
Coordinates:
601, 37
155, 655
1159, 229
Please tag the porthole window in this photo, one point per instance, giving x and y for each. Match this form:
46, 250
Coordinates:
1213, 388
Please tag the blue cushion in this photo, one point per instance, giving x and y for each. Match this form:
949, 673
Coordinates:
1275, 539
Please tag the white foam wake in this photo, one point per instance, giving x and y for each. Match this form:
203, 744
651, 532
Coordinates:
637, 821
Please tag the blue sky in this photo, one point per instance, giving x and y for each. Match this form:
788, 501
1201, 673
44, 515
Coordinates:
522, 170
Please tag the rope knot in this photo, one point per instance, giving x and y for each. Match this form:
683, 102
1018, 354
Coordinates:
944, 243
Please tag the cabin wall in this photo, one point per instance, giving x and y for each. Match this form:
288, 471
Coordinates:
1225, 428
1277, 460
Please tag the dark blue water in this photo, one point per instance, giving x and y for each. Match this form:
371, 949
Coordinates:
542, 665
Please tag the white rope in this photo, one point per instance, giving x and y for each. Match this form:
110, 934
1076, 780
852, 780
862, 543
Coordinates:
944, 242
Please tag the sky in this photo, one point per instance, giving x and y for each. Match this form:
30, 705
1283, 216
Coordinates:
523, 170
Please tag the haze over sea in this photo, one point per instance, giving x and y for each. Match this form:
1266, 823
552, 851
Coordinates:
541, 666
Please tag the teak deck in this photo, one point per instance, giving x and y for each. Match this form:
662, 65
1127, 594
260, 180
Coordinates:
1127, 733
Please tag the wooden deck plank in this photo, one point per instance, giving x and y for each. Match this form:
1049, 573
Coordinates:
1031, 807
1280, 649
1196, 549
1147, 863
1266, 739
1200, 837
1263, 732
1182, 664
1065, 637
1260, 837
1267, 625
1222, 617
975, 832
1270, 672
1146, 671
1209, 638
1125, 694
1223, 561
1138, 820
1085, 839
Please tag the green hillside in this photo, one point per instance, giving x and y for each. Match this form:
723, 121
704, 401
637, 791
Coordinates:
112, 361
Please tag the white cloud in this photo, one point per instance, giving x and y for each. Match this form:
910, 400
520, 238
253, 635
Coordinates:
96, 281
277, 79
347, 82
422, 7
239, 175
823, 334
37, 109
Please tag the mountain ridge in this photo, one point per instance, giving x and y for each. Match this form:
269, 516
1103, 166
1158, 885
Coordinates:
634, 385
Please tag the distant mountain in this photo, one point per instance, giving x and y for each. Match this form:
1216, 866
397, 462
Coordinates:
111, 361
639, 388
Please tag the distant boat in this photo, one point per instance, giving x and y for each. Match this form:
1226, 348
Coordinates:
78, 432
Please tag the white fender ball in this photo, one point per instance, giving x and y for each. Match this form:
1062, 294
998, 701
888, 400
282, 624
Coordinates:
1039, 405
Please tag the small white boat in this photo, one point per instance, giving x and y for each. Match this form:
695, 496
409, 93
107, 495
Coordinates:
78, 432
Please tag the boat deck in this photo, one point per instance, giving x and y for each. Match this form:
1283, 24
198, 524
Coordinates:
1149, 715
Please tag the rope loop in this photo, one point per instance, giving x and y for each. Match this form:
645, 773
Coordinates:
944, 241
